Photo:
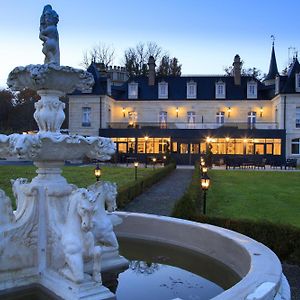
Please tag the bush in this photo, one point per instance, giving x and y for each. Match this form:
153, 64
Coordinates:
127, 194
284, 240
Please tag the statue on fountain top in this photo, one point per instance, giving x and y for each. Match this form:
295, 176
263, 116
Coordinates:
49, 35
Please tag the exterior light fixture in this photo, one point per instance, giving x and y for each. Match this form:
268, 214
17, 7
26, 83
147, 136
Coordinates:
228, 112
227, 139
205, 183
97, 172
154, 162
123, 110
202, 163
136, 164
261, 111
245, 140
204, 169
208, 139
177, 112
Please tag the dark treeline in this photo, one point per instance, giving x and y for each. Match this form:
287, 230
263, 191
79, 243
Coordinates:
16, 111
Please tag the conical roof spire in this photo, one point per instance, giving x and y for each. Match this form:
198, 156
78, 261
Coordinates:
273, 70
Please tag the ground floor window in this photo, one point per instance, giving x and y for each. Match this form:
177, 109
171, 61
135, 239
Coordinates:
296, 146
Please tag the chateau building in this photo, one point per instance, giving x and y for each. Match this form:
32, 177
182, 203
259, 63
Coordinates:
236, 116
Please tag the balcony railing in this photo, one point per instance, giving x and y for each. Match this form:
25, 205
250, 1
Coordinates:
185, 125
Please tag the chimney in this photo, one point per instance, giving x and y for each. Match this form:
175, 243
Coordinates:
151, 73
237, 66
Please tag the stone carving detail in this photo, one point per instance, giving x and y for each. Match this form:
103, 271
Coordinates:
6, 212
49, 114
49, 35
24, 146
77, 238
104, 148
106, 193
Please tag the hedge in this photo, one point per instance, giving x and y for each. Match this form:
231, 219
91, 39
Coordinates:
127, 194
284, 240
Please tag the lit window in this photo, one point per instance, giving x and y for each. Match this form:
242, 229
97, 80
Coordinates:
252, 90
297, 77
132, 90
163, 119
163, 90
296, 146
297, 117
86, 116
191, 118
220, 117
191, 90
132, 118
251, 119
220, 90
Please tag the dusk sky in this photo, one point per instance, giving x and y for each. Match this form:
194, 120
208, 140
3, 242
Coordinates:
203, 35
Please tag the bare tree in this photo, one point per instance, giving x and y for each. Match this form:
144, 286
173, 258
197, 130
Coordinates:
101, 53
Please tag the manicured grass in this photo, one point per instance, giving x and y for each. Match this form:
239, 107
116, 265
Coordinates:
254, 195
82, 176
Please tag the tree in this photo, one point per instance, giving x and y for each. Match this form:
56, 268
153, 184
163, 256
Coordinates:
6, 106
101, 53
252, 72
169, 67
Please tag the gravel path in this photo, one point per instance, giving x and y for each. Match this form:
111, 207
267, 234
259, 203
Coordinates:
160, 200
161, 197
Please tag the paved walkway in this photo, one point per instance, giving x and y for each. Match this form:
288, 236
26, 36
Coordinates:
161, 197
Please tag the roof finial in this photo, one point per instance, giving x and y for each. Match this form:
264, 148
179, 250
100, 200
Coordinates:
273, 39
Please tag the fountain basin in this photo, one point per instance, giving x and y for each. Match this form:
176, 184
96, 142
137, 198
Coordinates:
257, 265
50, 77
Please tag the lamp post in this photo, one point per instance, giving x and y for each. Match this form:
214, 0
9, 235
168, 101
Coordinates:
205, 182
97, 172
154, 161
165, 159
136, 164
146, 140
204, 170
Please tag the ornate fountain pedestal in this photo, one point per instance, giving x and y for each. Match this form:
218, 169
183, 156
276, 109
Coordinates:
60, 236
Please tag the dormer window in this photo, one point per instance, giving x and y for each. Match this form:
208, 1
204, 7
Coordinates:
220, 90
132, 90
252, 89
277, 84
297, 77
191, 90
163, 90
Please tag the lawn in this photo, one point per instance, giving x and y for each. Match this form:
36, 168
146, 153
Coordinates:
255, 195
82, 176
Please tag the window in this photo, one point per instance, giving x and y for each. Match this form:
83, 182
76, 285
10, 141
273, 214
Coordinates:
277, 84
132, 90
220, 117
251, 119
132, 118
163, 119
163, 90
220, 90
297, 77
191, 117
296, 146
191, 90
86, 116
252, 90
297, 117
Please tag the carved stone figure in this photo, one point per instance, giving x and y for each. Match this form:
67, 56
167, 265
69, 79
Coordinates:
6, 212
49, 35
77, 238
106, 192
21, 200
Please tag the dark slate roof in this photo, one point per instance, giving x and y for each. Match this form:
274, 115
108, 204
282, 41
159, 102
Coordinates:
287, 85
273, 70
177, 88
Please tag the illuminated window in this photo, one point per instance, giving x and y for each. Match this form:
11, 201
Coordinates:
163, 90
86, 116
191, 90
132, 90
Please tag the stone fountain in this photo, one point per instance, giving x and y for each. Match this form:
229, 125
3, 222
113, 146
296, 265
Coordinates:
49, 240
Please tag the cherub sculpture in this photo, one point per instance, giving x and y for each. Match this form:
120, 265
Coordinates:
49, 35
